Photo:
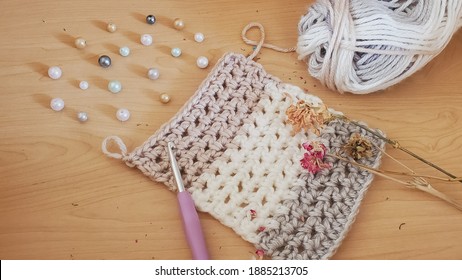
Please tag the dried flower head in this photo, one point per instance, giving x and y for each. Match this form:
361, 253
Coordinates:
358, 147
313, 159
315, 148
260, 253
304, 115
253, 214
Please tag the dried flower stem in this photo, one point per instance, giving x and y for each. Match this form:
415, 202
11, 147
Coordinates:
394, 159
395, 144
412, 173
417, 182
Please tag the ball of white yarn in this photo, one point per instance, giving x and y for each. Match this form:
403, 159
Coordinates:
364, 46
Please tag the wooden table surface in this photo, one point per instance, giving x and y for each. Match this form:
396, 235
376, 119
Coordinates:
61, 198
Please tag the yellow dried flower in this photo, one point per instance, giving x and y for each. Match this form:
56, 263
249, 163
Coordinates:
358, 147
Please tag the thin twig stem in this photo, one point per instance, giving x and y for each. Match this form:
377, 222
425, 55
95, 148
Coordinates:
395, 144
418, 182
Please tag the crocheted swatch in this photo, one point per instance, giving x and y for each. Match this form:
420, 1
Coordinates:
240, 160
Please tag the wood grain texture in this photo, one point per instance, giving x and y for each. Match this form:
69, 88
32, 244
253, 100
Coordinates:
61, 198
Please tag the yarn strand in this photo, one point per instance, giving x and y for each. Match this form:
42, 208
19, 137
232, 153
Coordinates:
261, 43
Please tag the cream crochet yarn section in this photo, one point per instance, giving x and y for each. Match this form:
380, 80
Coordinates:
258, 170
364, 46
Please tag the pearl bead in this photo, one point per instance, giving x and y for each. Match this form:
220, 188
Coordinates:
151, 19
57, 104
153, 73
114, 86
123, 114
111, 27
82, 116
164, 98
202, 62
176, 52
146, 39
199, 37
104, 61
83, 85
124, 51
55, 72
80, 43
178, 24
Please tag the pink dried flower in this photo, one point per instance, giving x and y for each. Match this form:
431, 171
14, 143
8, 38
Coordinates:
253, 214
315, 149
313, 159
260, 253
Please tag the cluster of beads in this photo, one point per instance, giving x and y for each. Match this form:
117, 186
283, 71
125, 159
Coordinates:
114, 86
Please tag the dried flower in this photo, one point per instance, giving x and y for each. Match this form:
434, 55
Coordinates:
315, 148
303, 115
262, 228
253, 214
260, 253
313, 159
358, 147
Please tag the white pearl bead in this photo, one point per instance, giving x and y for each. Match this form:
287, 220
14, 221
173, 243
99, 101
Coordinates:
82, 116
83, 85
124, 51
55, 72
123, 114
153, 73
202, 62
199, 37
146, 39
176, 52
57, 104
114, 86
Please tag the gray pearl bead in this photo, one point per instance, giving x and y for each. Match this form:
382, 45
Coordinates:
104, 61
151, 19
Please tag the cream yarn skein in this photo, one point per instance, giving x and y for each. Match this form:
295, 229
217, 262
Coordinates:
362, 46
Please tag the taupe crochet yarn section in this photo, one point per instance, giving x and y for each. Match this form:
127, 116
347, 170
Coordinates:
328, 202
204, 127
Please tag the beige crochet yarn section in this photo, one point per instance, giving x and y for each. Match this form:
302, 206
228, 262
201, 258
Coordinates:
362, 46
241, 162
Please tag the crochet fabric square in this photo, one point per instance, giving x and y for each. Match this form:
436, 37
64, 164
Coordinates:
240, 160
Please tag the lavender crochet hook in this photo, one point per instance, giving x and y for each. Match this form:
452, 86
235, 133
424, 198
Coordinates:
191, 223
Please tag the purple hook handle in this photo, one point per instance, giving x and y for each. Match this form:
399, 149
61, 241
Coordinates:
192, 226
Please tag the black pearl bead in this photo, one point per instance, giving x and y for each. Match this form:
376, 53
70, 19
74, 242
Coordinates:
104, 61
150, 19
